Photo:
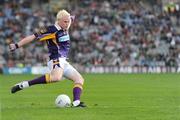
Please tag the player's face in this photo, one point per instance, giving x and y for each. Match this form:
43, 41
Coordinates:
65, 22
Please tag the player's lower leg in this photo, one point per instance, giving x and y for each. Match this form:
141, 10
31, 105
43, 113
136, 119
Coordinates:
40, 80
77, 90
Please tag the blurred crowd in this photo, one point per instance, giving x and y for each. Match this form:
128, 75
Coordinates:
116, 33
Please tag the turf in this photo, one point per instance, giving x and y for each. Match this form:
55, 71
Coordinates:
108, 96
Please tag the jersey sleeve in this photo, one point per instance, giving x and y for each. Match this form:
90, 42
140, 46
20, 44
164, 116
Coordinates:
45, 33
41, 31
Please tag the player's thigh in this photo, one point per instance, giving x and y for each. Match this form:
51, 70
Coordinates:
56, 74
56, 67
71, 73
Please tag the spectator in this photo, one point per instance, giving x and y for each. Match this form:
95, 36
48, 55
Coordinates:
123, 33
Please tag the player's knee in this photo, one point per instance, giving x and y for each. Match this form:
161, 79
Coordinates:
79, 81
82, 81
55, 78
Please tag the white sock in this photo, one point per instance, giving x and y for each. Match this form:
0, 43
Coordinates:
76, 103
23, 84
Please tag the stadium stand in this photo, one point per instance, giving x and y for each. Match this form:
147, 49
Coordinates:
118, 33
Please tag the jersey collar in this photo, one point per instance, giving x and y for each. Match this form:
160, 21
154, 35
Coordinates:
57, 26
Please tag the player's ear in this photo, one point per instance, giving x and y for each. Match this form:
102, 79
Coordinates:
72, 18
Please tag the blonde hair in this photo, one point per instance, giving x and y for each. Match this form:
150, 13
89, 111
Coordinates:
61, 14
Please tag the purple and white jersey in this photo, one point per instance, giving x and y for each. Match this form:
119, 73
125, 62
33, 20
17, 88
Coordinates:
58, 41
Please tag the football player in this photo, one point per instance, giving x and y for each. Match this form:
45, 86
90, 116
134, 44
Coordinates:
58, 43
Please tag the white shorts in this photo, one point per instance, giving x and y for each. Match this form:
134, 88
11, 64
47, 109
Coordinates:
67, 68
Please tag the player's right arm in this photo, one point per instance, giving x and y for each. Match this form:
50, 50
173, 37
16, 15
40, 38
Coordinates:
36, 36
24, 41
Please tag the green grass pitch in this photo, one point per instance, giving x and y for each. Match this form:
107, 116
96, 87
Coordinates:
108, 96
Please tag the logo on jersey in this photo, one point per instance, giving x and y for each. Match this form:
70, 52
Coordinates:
63, 38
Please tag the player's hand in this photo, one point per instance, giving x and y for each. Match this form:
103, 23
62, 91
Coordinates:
13, 47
